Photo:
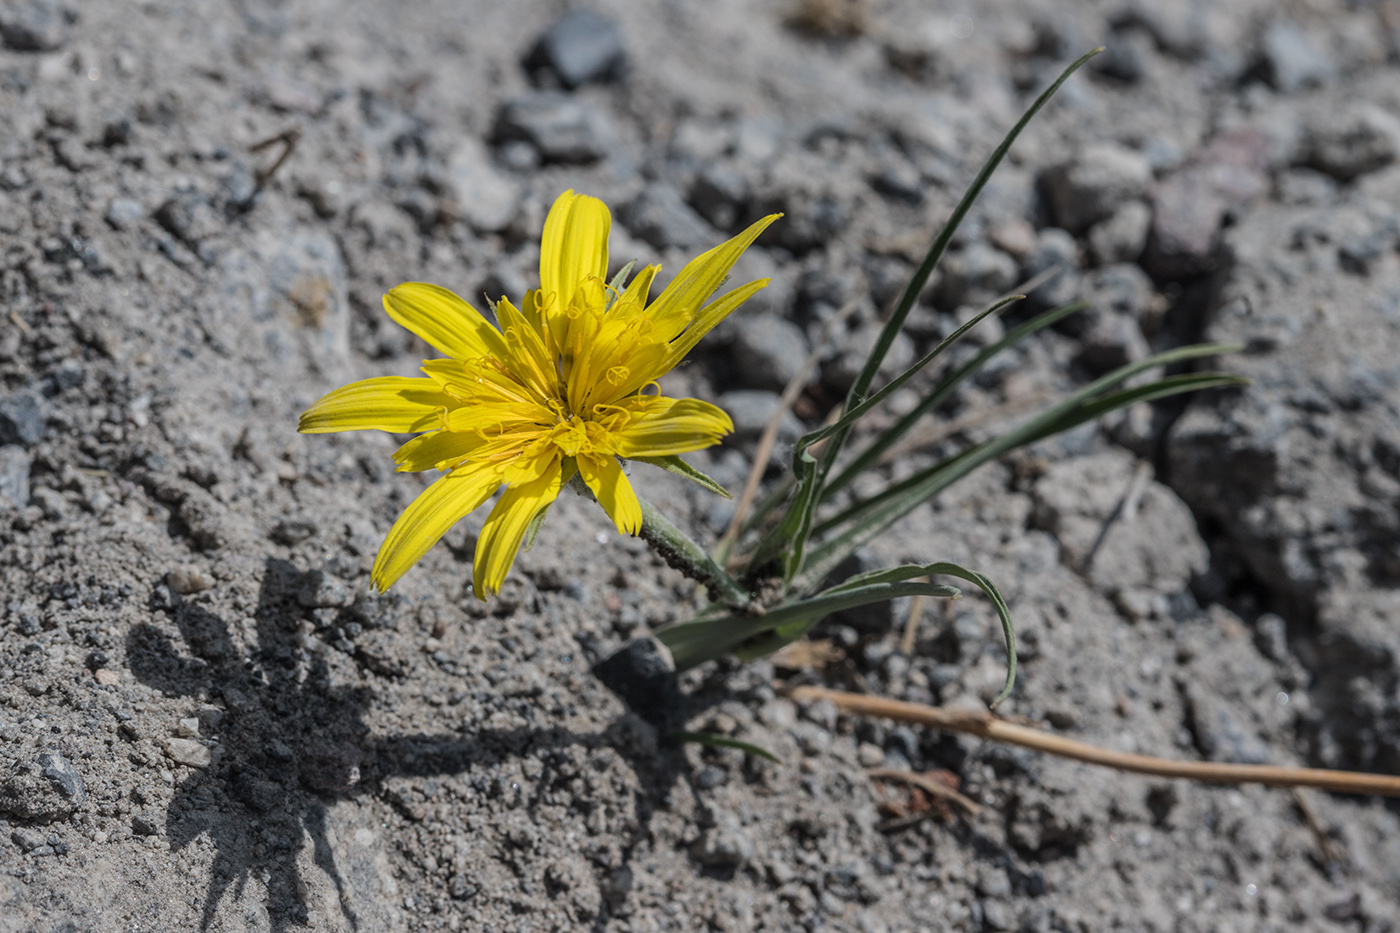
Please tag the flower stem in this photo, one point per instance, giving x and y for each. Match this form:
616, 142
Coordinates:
682, 553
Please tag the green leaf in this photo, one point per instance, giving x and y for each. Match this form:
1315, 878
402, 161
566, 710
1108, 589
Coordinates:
724, 741
789, 539
619, 283
892, 435
892, 575
940, 244
699, 640
871, 517
859, 389
850, 417
532, 530
1003, 613
674, 464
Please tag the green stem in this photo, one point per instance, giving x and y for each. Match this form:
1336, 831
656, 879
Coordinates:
681, 552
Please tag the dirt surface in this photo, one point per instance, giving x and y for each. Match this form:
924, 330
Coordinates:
209, 721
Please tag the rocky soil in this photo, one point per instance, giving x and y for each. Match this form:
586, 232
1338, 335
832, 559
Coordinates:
209, 721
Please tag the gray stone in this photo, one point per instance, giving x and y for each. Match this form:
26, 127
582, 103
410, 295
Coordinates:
292, 531
561, 128
123, 213
145, 823
976, 275
188, 580
1116, 526
1304, 186
1121, 237
1055, 249
239, 188
752, 409
189, 752
840, 372
720, 194
45, 788
810, 222
331, 767
189, 217
1127, 57
322, 590
33, 26
643, 676
27, 839
1352, 142
1122, 288
901, 182
1181, 29
1220, 733
59, 771
1190, 205
1289, 60
1092, 185
660, 217
581, 47
1109, 341
487, 198
768, 352
22, 419
724, 845
287, 274
262, 795
14, 477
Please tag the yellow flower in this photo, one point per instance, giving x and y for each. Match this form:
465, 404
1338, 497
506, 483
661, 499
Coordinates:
562, 388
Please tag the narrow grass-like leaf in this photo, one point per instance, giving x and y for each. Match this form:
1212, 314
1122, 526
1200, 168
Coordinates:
788, 541
940, 244
724, 741
892, 435
890, 575
850, 417
781, 490
619, 283
1003, 613
872, 517
697, 641
532, 530
674, 464
861, 387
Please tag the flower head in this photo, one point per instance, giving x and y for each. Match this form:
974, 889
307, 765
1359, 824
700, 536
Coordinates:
563, 387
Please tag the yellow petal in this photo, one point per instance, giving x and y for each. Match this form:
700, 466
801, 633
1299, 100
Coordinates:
613, 490
428, 517
706, 320
386, 403
687, 425
529, 359
636, 291
444, 320
505, 528
674, 308
574, 246
431, 451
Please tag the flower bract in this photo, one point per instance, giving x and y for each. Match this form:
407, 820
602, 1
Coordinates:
561, 386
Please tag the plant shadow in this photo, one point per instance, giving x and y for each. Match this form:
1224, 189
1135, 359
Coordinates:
292, 743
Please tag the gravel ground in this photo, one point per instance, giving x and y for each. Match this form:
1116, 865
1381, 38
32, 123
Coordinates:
209, 721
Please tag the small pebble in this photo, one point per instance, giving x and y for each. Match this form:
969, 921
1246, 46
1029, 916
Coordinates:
188, 752
187, 580
870, 755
